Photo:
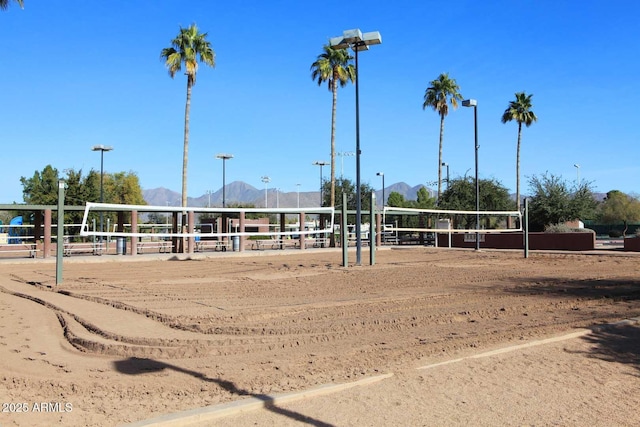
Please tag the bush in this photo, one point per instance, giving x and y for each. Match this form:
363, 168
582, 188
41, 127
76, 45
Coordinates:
615, 233
564, 228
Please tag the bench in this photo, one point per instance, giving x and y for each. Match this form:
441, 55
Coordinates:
321, 242
260, 245
75, 248
217, 245
161, 246
29, 248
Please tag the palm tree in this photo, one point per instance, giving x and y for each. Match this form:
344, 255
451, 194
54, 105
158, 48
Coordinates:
332, 66
188, 48
520, 111
4, 4
444, 91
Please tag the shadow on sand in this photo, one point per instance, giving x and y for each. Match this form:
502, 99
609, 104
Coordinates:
616, 343
613, 343
136, 366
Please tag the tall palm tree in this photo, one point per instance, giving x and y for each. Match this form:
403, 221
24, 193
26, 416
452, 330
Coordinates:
332, 66
4, 4
444, 91
520, 111
188, 48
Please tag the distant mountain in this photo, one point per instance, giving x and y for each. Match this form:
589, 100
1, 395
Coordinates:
243, 193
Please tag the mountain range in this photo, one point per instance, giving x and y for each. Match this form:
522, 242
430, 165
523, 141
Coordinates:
243, 193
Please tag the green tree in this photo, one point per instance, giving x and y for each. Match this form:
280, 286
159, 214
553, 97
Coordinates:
444, 91
333, 66
424, 200
617, 208
123, 188
4, 4
395, 200
41, 188
554, 202
344, 185
461, 195
189, 48
520, 111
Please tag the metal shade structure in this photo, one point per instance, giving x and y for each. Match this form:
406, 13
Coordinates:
224, 158
473, 103
357, 41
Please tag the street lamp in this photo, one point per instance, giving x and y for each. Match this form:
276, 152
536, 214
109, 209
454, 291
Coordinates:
357, 41
266, 181
224, 158
101, 148
447, 166
473, 103
577, 166
382, 175
321, 164
342, 155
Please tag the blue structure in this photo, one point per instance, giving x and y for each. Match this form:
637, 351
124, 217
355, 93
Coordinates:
15, 231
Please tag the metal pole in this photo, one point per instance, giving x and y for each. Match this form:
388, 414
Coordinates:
101, 192
224, 195
526, 227
372, 228
60, 238
320, 164
447, 176
344, 232
475, 124
383, 199
358, 195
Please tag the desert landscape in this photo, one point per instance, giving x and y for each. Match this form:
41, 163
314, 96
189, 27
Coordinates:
125, 339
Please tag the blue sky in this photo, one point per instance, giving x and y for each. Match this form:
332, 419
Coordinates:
84, 72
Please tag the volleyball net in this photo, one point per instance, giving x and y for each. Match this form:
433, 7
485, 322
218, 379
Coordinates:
412, 220
208, 222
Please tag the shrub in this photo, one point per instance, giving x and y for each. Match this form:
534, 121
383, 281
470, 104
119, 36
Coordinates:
564, 228
615, 233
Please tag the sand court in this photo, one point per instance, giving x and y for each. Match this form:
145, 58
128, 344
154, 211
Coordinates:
124, 342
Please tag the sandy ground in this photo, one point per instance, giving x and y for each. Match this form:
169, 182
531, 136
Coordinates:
119, 342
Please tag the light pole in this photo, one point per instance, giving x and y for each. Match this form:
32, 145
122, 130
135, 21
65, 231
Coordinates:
447, 166
298, 191
224, 158
321, 164
266, 181
342, 155
577, 166
357, 41
383, 199
101, 148
473, 103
